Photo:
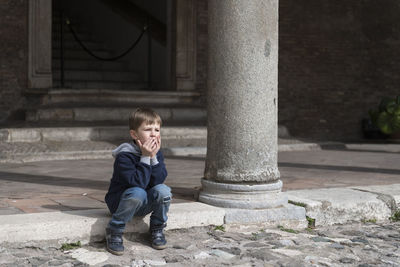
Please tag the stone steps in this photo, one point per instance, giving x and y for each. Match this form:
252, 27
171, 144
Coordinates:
97, 133
156, 98
31, 144
59, 143
112, 113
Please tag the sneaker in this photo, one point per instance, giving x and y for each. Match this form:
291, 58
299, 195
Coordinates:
157, 237
114, 242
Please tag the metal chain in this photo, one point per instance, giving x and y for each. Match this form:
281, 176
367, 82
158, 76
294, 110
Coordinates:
68, 22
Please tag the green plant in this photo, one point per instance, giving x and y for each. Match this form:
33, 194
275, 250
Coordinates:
280, 227
387, 117
311, 222
396, 216
220, 228
297, 203
373, 220
69, 246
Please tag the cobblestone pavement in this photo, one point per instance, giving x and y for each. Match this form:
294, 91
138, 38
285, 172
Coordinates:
361, 244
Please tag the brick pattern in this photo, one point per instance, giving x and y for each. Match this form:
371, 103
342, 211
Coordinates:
336, 61
13, 56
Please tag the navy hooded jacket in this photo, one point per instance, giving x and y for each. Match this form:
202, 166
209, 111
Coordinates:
131, 170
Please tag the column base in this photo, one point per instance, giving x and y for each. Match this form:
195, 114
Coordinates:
242, 196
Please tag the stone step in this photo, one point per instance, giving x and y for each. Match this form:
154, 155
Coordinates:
99, 133
73, 143
19, 152
89, 64
97, 76
115, 113
115, 85
89, 225
40, 144
123, 96
171, 135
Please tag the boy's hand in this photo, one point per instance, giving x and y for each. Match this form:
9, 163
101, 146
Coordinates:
157, 146
150, 147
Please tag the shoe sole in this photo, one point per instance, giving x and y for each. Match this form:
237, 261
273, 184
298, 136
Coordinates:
159, 247
118, 253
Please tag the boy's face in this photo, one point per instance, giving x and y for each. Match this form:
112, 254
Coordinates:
146, 132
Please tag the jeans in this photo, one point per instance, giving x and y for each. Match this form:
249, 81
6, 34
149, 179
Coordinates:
136, 201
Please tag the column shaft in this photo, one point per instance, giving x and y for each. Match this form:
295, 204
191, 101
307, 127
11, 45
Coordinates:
242, 91
241, 165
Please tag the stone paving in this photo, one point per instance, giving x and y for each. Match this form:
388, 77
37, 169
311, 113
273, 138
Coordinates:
359, 244
69, 185
81, 184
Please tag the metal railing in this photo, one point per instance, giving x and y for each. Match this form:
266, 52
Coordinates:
67, 21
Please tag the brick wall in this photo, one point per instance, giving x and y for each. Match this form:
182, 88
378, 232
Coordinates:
336, 61
13, 55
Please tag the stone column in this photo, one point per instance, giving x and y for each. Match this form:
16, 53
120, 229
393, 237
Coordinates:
241, 170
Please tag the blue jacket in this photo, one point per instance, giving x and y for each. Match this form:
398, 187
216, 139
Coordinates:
132, 170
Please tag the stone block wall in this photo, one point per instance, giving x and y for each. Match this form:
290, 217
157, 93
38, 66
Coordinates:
336, 61
13, 55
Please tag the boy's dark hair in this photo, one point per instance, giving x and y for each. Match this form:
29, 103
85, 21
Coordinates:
141, 115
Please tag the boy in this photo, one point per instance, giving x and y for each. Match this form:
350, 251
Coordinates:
136, 187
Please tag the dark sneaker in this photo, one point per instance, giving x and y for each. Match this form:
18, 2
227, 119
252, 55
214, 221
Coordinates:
157, 237
114, 242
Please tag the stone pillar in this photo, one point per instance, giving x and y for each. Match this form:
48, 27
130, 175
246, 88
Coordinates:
241, 170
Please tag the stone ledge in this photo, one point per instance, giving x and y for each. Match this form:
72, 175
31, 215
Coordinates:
89, 225
286, 215
392, 191
340, 205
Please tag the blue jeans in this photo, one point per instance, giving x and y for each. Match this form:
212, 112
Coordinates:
136, 201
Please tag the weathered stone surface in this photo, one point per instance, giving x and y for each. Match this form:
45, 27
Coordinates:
261, 254
222, 254
90, 224
341, 205
286, 215
24, 135
320, 239
243, 61
337, 246
243, 196
392, 191
210, 250
255, 245
4, 135
89, 257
